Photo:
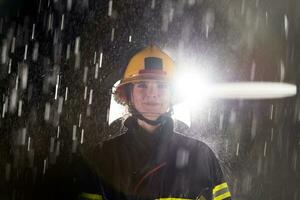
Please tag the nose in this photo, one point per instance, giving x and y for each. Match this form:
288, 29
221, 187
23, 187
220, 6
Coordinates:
152, 91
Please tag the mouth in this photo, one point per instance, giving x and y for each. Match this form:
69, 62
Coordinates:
152, 104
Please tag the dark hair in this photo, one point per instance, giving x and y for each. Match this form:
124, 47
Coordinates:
128, 90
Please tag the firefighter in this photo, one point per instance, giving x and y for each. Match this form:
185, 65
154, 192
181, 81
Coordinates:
150, 160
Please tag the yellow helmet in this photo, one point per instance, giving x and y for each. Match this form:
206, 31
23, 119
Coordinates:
151, 63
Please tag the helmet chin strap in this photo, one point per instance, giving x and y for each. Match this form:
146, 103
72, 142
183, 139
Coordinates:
135, 113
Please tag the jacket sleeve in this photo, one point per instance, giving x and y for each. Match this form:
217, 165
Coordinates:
89, 184
220, 189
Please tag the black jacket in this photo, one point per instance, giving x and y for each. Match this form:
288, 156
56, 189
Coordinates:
160, 165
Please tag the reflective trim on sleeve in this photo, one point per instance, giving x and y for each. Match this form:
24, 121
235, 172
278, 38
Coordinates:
222, 196
221, 192
90, 196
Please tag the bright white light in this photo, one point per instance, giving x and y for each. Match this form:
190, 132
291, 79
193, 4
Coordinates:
253, 90
193, 86
116, 110
182, 113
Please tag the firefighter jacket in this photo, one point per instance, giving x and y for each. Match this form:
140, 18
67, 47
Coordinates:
160, 165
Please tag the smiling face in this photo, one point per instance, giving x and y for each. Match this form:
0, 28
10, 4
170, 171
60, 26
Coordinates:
151, 98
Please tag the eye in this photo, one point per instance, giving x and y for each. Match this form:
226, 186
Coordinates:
163, 86
141, 85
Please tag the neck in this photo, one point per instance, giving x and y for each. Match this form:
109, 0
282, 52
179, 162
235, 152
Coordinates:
149, 128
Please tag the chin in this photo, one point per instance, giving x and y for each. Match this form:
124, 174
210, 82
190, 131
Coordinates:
152, 116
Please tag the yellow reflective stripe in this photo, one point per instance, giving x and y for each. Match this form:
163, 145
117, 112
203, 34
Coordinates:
90, 196
220, 187
172, 198
222, 196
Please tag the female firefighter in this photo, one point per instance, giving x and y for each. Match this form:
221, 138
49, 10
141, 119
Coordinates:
150, 160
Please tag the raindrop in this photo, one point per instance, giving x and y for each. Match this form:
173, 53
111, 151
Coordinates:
33, 29
253, 71
246, 185
282, 71
74, 137
60, 105
107, 114
271, 112
95, 57
77, 44
221, 121
9, 66
96, 71
259, 165
40, 5
56, 87
182, 158
256, 3
88, 111
129, 38
243, 7
45, 165
232, 117
58, 132
91, 97
66, 93
112, 34
24, 75
25, 52
110, 4
77, 60
50, 22
57, 149
52, 143
13, 101
237, 149
13, 44
296, 195
85, 92
62, 22
100, 60
272, 134
153, 4
208, 21
22, 137
4, 52
79, 121
85, 73
69, 5
35, 52
47, 111
29, 144
5, 105
82, 136
209, 115
20, 108
68, 51
226, 145
286, 26
265, 149
267, 18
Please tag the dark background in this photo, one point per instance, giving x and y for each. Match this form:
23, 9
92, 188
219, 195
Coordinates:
257, 141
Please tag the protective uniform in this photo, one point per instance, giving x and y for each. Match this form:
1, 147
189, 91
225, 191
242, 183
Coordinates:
161, 165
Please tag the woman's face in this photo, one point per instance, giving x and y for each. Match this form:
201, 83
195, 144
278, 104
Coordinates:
151, 98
